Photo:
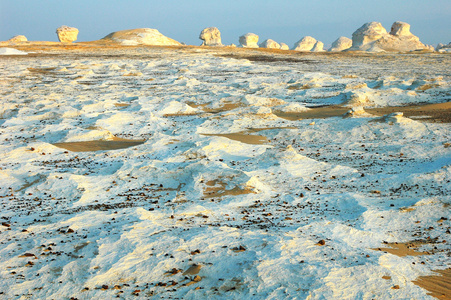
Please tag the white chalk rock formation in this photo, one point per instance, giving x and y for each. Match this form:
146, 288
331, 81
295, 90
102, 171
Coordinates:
308, 43
319, 47
141, 36
284, 46
270, 44
11, 51
442, 48
249, 40
67, 34
373, 37
342, 43
211, 37
18, 39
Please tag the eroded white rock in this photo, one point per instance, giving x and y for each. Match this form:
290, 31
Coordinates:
373, 37
270, 44
307, 43
18, 39
67, 34
249, 40
284, 46
319, 47
342, 43
211, 37
141, 36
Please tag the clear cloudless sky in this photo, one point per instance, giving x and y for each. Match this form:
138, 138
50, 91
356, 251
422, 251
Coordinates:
281, 20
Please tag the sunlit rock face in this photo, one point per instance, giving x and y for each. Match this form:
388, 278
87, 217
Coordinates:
211, 37
67, 34
373, 37
249, 40
443, 48
308, 43
270, 44
342, 43
284, 46
141, 36
18, 39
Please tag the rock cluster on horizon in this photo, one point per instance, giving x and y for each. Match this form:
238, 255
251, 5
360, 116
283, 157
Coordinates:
141, 36
211, 37
18, 39
249, 40
374, 37
340, 44
443, 48
67, 34
308, 44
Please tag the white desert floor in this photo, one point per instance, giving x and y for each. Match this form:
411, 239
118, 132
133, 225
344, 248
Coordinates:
216, 195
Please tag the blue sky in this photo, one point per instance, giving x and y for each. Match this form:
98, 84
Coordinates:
282, 20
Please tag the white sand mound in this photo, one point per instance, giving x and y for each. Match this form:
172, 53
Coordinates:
11, 51
141, 36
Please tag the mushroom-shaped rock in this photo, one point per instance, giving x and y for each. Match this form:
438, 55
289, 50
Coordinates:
141, 36
211, 37
342, 43
319, 46
270, 44
18, 39
368, 33
67, 34
284, 46
249, 40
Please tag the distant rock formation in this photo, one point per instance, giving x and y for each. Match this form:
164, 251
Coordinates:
305, 44
18, 39
342, 43
270, 44
211, 37
141, 36
442, 48
308, 43
284, 46
374, 38
67, 34
249, 40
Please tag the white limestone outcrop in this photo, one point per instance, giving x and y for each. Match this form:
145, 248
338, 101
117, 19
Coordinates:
305, 44
249, 40
442, 48
342, 43
18, 39
141, 36
270, 44
67, 34
211, 37
373, 37
284, 46
308, 44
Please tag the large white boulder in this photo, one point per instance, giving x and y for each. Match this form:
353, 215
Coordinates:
249, 40
18, 39
211, 37
141, 36
373, 37
307, 43
342, 43
67, 34
270, 44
